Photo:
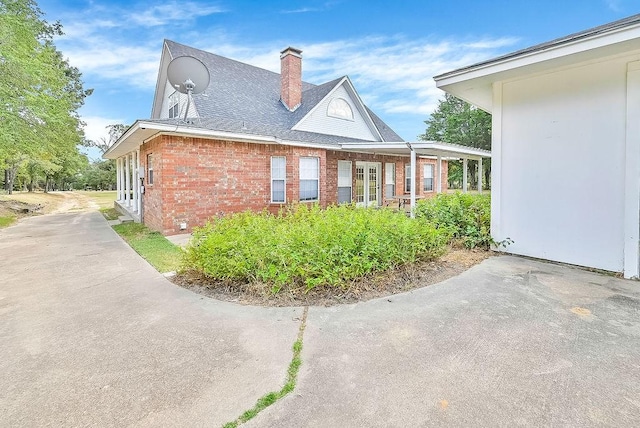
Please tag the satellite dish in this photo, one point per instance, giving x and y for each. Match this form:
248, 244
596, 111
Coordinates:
189, 76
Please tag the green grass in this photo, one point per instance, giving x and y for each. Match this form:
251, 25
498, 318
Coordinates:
309, 247
289, 385
110, 213
6, 221
151, 245
104, 199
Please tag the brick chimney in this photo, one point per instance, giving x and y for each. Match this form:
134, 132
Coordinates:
291, 78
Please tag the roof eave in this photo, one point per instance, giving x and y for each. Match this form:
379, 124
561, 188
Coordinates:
474, 83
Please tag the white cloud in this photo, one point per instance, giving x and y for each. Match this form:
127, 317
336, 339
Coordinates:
614, 5
96, 126
392, 73
172, 13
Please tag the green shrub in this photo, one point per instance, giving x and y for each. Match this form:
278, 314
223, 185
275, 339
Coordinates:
466, 216
309, 246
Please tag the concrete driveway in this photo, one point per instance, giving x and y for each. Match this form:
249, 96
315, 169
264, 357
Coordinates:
92, 336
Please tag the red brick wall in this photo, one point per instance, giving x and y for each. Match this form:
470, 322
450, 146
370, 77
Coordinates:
332, 173
196, 179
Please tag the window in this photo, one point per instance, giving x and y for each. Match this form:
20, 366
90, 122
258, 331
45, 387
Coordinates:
150, 169
407, 178
174, 103
278, 177
309, 179
428, 178
344, 182
173, 111
340, 108
390, 180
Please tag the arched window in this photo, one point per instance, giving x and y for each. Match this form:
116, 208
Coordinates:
340, 108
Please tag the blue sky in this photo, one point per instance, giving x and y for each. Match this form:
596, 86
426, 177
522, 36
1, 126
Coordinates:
390, 49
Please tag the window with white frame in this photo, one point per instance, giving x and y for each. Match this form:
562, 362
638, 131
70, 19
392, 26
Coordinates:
309, 179
174, 105
407, 178
427, 178
340, 108
344, 182
150, 169
278, 179
390, 179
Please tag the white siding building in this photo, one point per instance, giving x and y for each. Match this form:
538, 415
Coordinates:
566, 145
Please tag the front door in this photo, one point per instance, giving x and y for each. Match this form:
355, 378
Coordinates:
368, 184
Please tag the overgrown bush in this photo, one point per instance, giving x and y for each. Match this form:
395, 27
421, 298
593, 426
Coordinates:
309, 246
465, 216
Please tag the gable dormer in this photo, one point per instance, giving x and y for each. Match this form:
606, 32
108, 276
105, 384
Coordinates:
340, 112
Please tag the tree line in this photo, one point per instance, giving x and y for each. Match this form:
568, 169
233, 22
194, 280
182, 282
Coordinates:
40, 93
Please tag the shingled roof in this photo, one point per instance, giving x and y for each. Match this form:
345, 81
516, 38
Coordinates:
245, 98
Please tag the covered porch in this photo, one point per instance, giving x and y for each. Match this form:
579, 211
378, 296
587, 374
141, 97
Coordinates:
433, 149
129, 185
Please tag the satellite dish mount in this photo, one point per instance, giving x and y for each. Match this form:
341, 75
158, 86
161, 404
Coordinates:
189, 76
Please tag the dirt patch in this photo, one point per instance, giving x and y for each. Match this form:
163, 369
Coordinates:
394, 281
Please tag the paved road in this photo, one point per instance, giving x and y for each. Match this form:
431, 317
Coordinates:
92, 336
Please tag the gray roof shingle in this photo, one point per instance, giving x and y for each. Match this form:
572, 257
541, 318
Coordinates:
244, 98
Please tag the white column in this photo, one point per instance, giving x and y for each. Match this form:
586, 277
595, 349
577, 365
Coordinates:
413, 184
138, 185
480, 175
439, 174
134, 156
465, 168
631, 174
122, 172
496, 163
127, 181
118, 186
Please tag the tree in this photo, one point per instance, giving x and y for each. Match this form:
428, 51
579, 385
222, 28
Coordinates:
458, 122
115, 131
40, 92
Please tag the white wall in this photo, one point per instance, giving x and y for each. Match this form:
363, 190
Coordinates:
164, 110
561, 151
319, 122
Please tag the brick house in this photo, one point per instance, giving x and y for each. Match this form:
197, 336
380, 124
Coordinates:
259, 140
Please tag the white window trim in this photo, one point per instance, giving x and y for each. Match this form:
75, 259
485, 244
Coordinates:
393, 178
350, 178
407, 177
317, 159
150, 175
283, 179
424, 177
336, 116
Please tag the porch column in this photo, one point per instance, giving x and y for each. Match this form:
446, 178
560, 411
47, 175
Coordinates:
479, 175
138, 185
439, 174
413, 184
118, 184
465, 168
134, 170
122, 172
127, 181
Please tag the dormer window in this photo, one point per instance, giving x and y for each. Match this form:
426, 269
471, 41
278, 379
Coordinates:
340, 108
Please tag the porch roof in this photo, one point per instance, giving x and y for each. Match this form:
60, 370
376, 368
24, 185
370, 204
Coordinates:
422, 148
142, 131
